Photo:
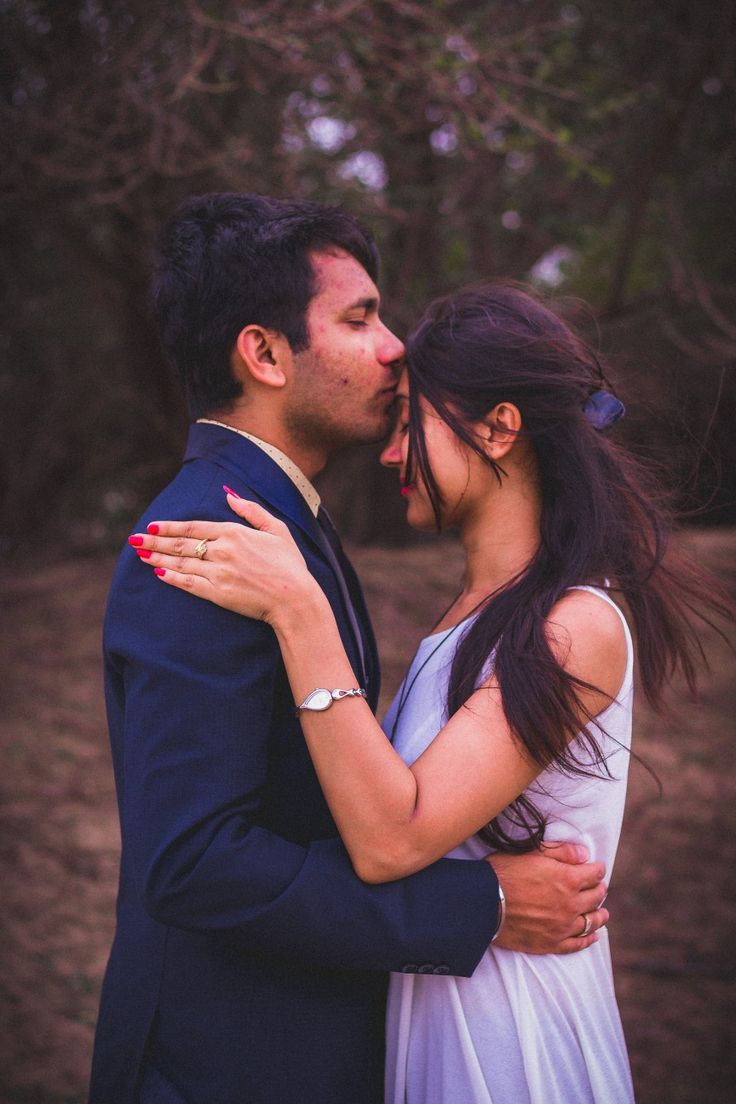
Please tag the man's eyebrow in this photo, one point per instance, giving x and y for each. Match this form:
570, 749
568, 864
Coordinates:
369, 303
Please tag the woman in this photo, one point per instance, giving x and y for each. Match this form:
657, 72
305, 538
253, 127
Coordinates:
514, 720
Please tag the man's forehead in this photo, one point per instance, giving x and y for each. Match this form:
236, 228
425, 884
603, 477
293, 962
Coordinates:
340, 276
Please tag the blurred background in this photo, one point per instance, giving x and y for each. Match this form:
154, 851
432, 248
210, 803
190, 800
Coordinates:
587, 147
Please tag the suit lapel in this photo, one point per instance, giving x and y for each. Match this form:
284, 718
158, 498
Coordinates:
265, 478
272, 488
372, 666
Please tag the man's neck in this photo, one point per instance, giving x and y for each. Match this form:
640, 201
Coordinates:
266, 428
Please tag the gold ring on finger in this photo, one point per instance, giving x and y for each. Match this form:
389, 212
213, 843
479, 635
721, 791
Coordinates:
201, 550
587, 926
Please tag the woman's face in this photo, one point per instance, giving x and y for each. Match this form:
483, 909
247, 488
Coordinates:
460, 474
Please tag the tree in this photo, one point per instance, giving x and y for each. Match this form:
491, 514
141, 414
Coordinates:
584, 144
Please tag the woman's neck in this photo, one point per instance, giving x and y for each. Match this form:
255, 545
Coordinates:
499, 546
500, 539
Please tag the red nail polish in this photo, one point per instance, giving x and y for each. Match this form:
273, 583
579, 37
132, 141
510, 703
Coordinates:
152, 528
159, 571
145, 553
135, 540
229, 490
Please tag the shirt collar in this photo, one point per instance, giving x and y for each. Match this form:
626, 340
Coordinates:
288, 467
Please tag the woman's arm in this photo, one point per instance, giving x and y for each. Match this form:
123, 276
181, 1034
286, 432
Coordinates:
396, 819
393, 819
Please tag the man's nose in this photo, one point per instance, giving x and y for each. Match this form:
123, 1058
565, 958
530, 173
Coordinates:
391, 349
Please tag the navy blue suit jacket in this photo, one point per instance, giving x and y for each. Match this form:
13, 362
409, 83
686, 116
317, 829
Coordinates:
249, 962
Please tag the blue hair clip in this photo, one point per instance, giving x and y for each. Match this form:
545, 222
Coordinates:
603, 409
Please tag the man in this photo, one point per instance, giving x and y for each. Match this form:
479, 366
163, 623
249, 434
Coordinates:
249, 962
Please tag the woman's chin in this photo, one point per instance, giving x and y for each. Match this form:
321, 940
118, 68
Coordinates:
421, 520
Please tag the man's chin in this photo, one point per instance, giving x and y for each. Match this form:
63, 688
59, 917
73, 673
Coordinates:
369, 434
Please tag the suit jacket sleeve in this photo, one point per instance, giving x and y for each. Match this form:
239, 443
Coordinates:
190, 691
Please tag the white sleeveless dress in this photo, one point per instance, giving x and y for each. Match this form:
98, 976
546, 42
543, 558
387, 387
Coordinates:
524, 1029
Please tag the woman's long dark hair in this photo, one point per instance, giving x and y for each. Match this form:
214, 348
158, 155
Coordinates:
601, 518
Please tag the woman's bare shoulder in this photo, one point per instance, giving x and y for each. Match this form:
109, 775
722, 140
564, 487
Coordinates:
587, 635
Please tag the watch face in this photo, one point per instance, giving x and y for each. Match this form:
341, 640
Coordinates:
318, 700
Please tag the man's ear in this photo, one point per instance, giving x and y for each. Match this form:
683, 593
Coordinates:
261, 355
502, 428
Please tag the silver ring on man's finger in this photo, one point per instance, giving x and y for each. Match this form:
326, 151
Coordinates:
201, 550
587, 926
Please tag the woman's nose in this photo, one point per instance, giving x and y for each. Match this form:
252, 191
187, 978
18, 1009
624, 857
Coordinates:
391, 455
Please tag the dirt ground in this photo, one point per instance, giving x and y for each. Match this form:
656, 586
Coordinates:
673, 901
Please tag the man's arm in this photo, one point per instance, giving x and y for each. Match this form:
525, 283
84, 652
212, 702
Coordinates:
549, 906
197, 717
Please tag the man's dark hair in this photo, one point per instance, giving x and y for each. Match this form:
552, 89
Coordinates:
228, 260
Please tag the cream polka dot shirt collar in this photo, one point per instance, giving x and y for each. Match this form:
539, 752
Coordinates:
288, 467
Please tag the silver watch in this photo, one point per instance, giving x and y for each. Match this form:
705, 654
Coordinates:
321, 699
